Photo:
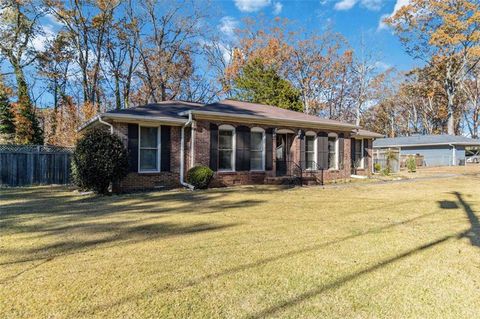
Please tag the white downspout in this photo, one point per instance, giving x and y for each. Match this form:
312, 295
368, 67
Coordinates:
106, 123
453, 154
192, 143
182, 153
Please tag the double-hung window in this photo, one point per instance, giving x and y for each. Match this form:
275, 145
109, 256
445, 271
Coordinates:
226, 148
359, 153
332, 152
149, 149
310, 151
257, 149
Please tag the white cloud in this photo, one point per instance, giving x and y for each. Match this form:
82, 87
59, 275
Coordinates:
226, 53
227, 26
53, 20
398, 5
40, 41
345, 4
373, 5
382, 66
277, 8
381, 24
251, 5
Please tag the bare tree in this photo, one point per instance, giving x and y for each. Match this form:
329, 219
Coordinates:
167, 54
121, 54
364, 68
88, 23
471, 89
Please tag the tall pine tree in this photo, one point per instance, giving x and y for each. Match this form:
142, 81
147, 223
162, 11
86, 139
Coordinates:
259, 83
28, 130
7, 118
19, 21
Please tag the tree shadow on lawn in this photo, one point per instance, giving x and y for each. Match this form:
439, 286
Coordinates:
70, 208
59, 219
266, 261
473, 234
118, 234
343, 280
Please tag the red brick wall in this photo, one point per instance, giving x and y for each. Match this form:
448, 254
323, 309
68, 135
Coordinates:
202, 156
144, 181
140, 181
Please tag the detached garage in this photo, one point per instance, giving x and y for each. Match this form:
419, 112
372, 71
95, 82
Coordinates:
437, 150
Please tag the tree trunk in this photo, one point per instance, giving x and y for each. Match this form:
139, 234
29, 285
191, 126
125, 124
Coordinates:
450, 116
450, 89
357, 115
118, 98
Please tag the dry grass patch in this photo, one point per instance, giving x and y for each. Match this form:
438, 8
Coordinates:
391, 250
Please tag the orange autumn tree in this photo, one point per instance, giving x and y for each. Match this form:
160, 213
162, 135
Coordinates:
316, 64
446, 35
265, 41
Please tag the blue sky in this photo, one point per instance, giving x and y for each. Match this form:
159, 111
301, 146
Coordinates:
352, 18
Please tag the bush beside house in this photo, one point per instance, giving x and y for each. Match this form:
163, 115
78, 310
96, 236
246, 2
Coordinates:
99, 160
199, 176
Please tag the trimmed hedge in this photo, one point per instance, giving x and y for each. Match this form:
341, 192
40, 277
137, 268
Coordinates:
199, 176
99, 159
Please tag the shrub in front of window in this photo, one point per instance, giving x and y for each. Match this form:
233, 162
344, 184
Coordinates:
411, 164
99, 159
377, 167
199, 176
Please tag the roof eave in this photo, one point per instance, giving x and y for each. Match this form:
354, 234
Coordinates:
145, 118
128, 118
88, 123
429, 144
267, 120
371, 135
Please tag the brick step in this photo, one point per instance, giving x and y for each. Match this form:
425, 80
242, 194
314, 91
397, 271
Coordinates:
291, 180
281, 180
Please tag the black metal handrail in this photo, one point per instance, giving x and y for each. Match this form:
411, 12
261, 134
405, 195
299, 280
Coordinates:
312, 171
299, 171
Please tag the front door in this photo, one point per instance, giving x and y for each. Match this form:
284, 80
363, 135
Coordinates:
282, 153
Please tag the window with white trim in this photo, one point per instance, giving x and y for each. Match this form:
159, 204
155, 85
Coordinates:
149, 149
332, 151
226, 148
257, 149
310, 151
359, 160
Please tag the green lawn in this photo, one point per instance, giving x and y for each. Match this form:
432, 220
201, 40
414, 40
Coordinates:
402, 249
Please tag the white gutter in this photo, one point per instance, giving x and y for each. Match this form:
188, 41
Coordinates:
182, 154
429, 144
192, 143
453, 154
106, 123
128, 118
147, 118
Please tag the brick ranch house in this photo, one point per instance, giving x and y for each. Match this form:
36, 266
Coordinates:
244, 143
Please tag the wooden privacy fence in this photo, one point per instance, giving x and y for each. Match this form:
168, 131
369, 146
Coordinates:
23, 165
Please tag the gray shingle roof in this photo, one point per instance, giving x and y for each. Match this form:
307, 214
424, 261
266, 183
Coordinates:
234, 107
177, 111
367, 134
425, 140
169, 109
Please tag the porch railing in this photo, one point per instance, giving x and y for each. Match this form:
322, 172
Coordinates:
300, 170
